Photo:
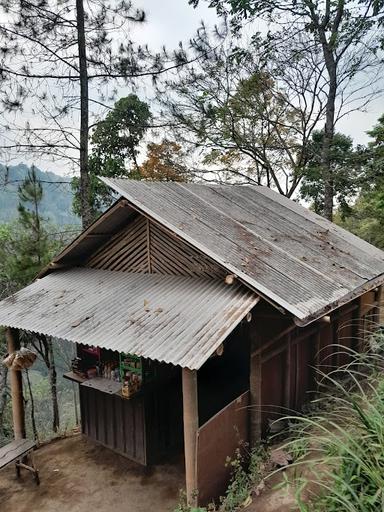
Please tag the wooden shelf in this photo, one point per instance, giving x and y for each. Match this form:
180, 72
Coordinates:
105, 385
75, 377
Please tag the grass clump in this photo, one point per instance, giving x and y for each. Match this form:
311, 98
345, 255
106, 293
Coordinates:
345, 436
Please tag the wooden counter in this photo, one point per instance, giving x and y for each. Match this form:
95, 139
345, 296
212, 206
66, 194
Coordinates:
145, 427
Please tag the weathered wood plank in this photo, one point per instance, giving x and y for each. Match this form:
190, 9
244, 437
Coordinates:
15, 450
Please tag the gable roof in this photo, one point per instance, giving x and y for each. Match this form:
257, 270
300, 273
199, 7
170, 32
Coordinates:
300, 261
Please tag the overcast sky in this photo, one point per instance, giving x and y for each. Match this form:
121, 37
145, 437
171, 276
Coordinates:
171, 21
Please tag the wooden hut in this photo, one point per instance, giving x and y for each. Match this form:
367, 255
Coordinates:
199, 313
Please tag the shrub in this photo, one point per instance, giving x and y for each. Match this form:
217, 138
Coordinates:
248, 469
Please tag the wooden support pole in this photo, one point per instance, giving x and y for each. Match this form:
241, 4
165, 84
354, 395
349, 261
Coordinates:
191, 425
288, 375
255, 395
380, 305
16, 380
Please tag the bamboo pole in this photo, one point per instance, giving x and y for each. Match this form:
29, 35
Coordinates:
191, 425
16, 380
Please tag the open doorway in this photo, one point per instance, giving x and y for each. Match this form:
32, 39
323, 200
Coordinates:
223, 378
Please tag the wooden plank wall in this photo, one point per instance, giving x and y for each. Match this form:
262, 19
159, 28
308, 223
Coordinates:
144, 246
218, 439
287, 356
114, 422
371, 313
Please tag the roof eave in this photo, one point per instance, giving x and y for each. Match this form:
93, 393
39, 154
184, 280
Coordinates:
361, 290
57, 264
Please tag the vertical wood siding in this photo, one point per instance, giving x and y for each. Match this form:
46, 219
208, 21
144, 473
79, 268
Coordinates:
147, 428
290, 354
115, 423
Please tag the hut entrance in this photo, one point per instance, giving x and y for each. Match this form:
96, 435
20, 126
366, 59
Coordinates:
224, 377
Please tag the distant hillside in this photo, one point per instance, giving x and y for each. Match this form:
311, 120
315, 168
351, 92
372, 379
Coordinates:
56, 205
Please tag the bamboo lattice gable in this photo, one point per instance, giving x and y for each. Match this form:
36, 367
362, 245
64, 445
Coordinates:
144, 246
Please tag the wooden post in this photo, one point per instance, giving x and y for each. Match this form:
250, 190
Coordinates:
13, 344
380, 305
255, 395
288, 375
191, 425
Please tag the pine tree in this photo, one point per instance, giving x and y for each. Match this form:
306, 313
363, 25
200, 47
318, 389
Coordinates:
24, 251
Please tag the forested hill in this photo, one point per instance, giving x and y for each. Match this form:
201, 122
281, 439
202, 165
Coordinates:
56, 205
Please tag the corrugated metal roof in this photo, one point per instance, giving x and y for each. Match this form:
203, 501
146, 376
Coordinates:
175, 319
290, 255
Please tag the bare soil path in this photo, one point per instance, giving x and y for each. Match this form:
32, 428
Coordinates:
80, 476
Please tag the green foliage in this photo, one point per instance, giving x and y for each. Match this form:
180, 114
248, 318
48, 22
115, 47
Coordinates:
342, 46
376, 151
299, 447
237, 118
115, 147
183, 507
116, 139
247, 471
345, 168
366, 217
55, 205
346, 439
246, 474
26, 246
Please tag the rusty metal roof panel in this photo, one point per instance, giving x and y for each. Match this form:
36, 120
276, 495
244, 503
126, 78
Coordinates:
290, 255
175, 319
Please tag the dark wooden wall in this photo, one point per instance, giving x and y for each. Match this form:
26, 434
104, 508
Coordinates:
223, 378
285, 359
114, 422
146, 428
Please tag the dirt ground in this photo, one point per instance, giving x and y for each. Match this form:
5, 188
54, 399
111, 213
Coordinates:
80, 476
273, 499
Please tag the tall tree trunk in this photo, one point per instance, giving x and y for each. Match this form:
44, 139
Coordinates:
327, 145
328, 36
44, 347
4, 394
33, 419
53, 382
85, 206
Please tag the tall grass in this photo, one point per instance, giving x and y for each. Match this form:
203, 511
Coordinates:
342, 465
